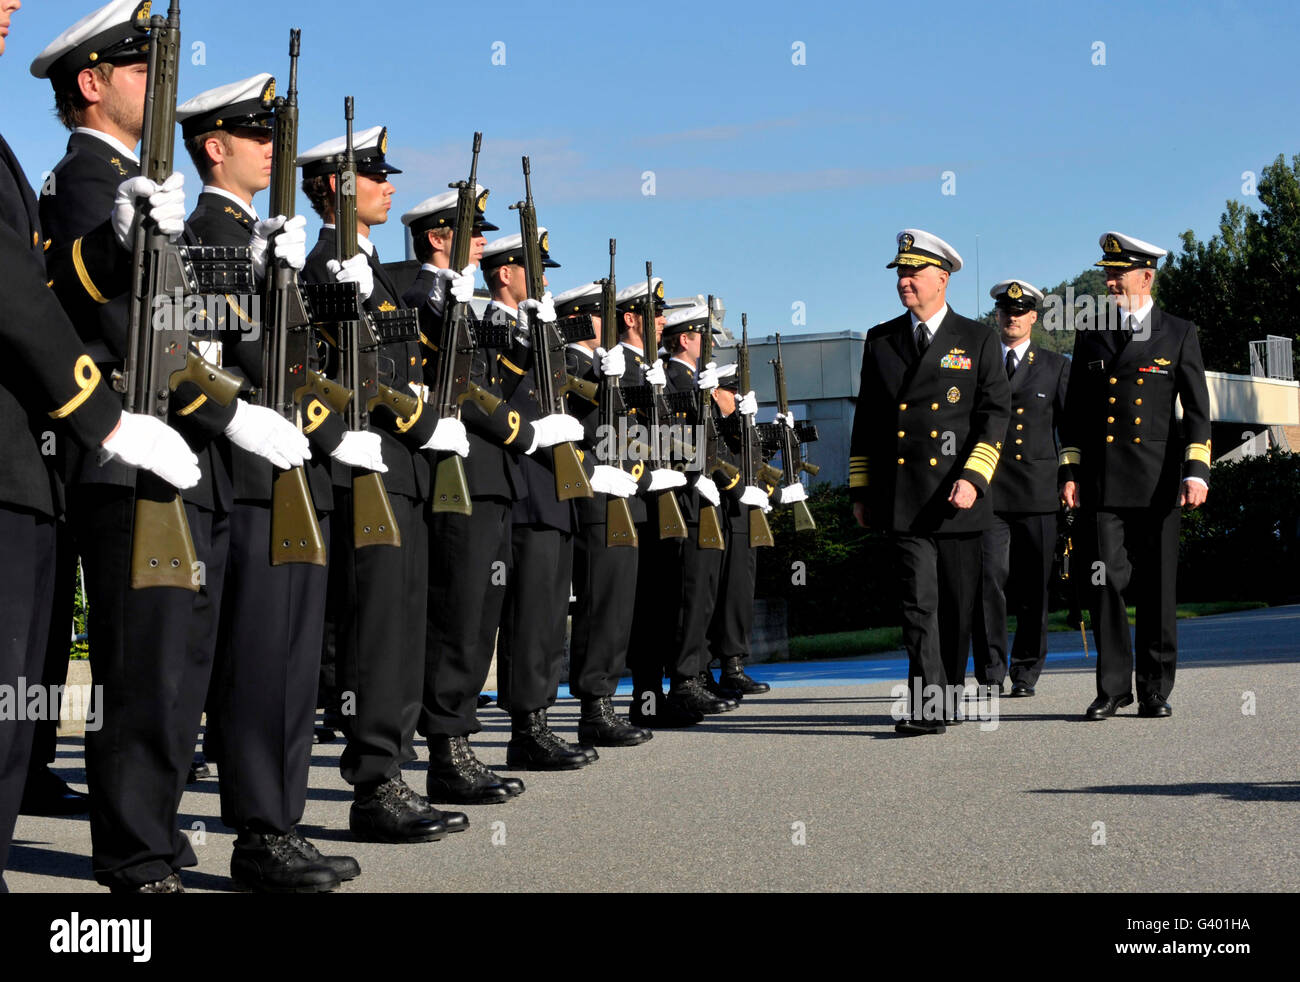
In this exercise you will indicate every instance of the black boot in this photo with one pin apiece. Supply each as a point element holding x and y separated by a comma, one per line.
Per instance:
<point>651,709</point>
<point>563,744</point>
<point>600,726</point>
<point>274,864</point>
<point>734,677</point>
<point>534,747</point>
<point>711,686</point>
<point>691,694</point>
<point>393,812</point>
<point>344,867</point>
<point>456,776</point>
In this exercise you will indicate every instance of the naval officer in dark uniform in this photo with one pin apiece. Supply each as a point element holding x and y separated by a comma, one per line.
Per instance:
<point>1019,543</point>
<point>1130,465</point>
<point>931,416</point>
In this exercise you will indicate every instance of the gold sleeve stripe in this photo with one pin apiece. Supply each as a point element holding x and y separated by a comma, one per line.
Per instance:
<point>857,480</point>
<point>405,424</point>
<point>1198,451</point>
<point>316,412</point>
<point>327,336</point>
<point>734,481</point>
<point>193,406</point>
<point>980,468</point>
<point>510,365</point>
<point>86,372</point>
<point>84,275</point>
<point>1070,457</point>
<point>426,342</point>
<point>239,311</point>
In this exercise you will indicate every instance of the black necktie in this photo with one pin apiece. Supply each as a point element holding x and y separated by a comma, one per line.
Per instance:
<point>1011,363</point>
<point>922,338</point>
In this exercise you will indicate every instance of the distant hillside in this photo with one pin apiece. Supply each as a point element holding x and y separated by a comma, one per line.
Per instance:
<point>1091,282</point>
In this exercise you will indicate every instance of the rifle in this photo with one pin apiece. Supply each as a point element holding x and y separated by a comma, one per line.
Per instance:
<point>548,352</point>
<point>710,534</point>
<point>803,520</point>
<point>456,352</point>
<point>620,530</point>
<point>760,533</point>
<point>287,345</point>
<point>373,522</point>
<point>671,523</point>
<point>159,357</point>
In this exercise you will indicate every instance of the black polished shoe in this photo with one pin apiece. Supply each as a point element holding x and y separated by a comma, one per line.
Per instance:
<point>344,867</point>
<point>199,770</point>
<point>47,794</point>
<point>600,726</point>
<point>735,679</point>
<point>324,734</point>
<point>484,700</point>
<point>1106,706</point>
<point>691,694</point>
<point>1153,707</point>
<point>393,812</point>
<point>457,777</point>
<point>653,710</point>
<point>711,686</point>
<point>1021,690</point>
<point>565,745</point>
<point>275,864</point>
<point>531,746</point>
<point>168,884</point>
<point>919,727</point>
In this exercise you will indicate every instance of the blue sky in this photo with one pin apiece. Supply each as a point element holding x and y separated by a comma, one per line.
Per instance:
<point>775,183</point>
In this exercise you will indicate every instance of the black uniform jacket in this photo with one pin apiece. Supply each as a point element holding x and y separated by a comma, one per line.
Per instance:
<point>1122,440</point>
<point>1026,476</point>
<point>923,423</point>
<point>49,385</point>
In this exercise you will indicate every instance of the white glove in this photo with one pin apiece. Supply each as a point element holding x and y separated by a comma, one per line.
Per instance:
<point>612,480</point>
<point>793,493</point>
<point>555,429</point>
<point>355,270</point>
<point>748,405</point>
<point>264,432</point>
<point>450,435</point>
<point>713,375</point>
<point>543,309</point>
<point>164,203</point>
<point>663,479</point>
<point>786,418</point>
<point>611,362</point>
<point>460,284</point>
<point>708,490</point>
<point>755,497</point>
<point>150,444</point>
<point>655,374</point>
<point>290,244</point>
<point>361,449</point>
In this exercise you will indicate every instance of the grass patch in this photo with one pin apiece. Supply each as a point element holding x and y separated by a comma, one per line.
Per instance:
<point>873,640</point>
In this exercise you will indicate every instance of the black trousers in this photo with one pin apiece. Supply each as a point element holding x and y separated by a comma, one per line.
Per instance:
<point>1017,565</point>
<point>530,645</point>
<point>468,574</point>
<point>263,692</point>
<point>939,576</point>
<point>58,643</point>
<point>677,588</point>
<point>154,675</point>
<point>1138,549</point>
<point>26,585</point>
<point>604,581</point>
<point>733,615</point>
<point>379,620</point>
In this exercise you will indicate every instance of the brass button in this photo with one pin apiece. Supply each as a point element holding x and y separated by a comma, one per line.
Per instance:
<point>934,406</point>
<point>934,462</point>
<point>1138,421</point>
<point>1017,456</point>
<point>1109,439</point>
<point>1020,443</point>
<point>901,434</point>
<point>1110,419</point>
<point>1020,411</point>
<point>1113,380</point>
<point>1020,426</point>
<point>1112,399</point>
<point>900,460</point>
<point>934,434</point>
<point>1137,402</point>
<point>1140,381</point>
<point>1137,439</point>
<point>902,407</point>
